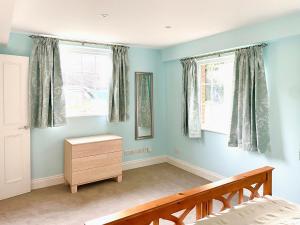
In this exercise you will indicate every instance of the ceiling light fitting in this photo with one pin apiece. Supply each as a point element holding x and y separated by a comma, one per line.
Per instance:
<point>104,15</point>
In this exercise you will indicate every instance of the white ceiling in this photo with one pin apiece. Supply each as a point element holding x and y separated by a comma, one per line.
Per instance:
<point>6,14</point>
<point>142,22</point>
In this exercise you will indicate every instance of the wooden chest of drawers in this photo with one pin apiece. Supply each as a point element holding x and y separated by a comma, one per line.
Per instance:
<point>94,158</point>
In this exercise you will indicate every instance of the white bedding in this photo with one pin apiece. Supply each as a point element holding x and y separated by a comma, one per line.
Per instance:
<point>260,211</point>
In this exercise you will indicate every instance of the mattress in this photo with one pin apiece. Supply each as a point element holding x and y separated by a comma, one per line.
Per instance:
<point>260,211</point>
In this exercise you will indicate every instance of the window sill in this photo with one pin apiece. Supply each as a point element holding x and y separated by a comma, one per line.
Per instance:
<point>214,131</point>
<point>85,116</point>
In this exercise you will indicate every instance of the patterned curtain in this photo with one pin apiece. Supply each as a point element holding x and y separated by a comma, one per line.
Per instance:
<point>191,99</point>
<point>249,123</point>
<point>118,99</point>
<point>144,100</point>
<point>47,102</point>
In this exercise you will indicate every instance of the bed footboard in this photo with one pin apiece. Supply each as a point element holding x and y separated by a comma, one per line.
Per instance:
<point>200,198</point>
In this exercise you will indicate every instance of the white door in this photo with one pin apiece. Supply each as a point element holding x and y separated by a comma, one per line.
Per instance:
<point>15,174</point>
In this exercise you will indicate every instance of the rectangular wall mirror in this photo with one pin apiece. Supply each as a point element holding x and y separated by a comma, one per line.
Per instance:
<point>143,105</point>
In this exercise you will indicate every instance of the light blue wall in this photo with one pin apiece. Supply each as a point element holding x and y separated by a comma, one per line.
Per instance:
<point>282,59</point>
<point>47,144</point>
<point>18,45</point>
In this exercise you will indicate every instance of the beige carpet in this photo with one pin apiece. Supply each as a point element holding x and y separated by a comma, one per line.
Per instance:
<point>57,206</point>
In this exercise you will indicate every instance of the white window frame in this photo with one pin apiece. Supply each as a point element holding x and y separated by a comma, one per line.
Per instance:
<point>229,57</point>
<point>86,50</point>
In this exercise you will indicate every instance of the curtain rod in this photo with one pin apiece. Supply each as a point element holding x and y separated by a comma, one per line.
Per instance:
<point>223,52</point>
<point>77,41</point>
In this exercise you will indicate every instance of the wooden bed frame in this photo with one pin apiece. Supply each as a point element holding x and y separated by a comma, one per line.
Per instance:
<point>200,198</point>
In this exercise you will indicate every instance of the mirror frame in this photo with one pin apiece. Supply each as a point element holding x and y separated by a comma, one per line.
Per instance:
<point>136,108</point>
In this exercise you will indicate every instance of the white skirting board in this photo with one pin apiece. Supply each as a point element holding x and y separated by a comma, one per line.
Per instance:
<point>144,162</point>
<point>47,181</point>
<point>204,173</point>
<point>207,174</point>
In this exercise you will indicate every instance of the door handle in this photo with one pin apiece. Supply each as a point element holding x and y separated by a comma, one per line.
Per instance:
<point>24,127</point>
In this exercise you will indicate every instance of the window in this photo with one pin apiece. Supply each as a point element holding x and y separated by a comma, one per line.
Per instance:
<point>216,93</point>
<point>86,74</point>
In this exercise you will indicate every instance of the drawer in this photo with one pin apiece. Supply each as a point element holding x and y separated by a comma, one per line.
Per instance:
<point>94,174</point>
<point>93,161</point>
<point>96,148</point>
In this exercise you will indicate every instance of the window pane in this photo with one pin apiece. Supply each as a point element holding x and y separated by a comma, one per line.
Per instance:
<point>86,74</point>
<point>216,91</point>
